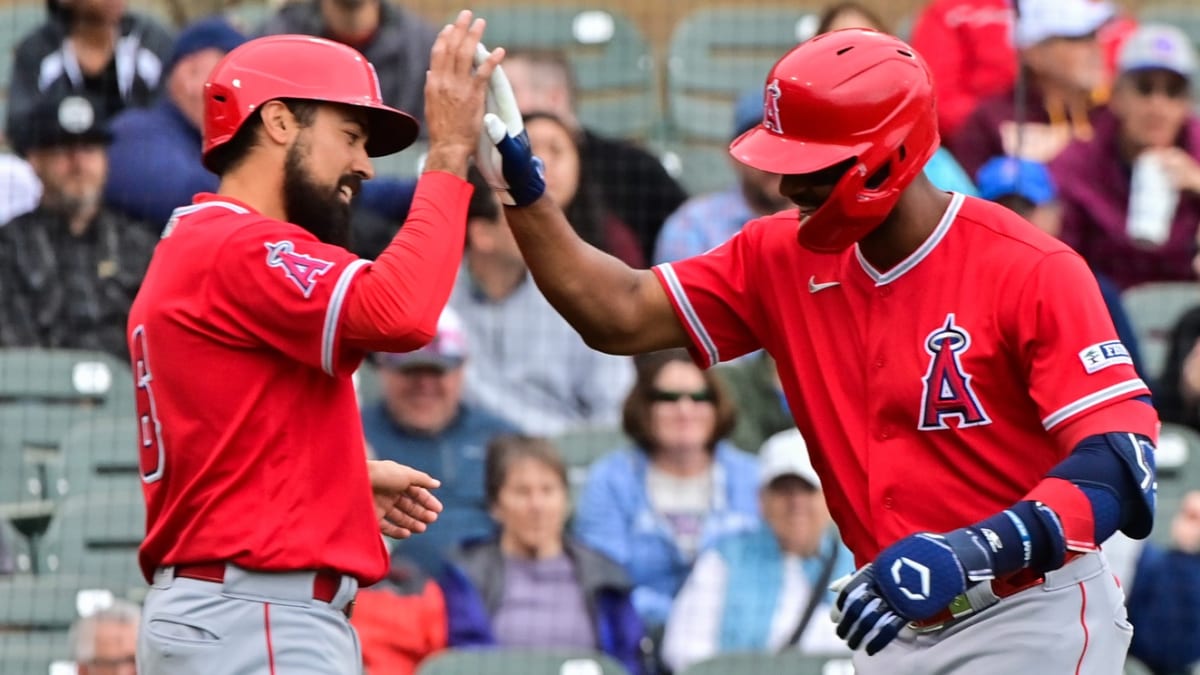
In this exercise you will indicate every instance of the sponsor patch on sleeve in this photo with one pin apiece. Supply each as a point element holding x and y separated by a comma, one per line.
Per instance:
<point>1105,354</point>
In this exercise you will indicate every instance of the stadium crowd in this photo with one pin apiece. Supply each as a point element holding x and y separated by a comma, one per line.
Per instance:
<point>700,529</point>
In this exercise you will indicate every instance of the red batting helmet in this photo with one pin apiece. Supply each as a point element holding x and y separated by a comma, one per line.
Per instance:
<point>299,67</point>
<point>850,94</point>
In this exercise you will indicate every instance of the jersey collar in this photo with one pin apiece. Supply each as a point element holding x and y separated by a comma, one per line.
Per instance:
<point>923,251</point>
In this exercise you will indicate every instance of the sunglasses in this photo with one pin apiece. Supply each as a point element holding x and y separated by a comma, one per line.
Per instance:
<point>1175,87</point>
<point>664,396</point>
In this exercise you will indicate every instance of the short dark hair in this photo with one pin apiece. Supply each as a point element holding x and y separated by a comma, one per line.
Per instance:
<point>484,204</point>
<point>229,156</point>
<point>507,449</point>
<point>636,414</point>
<point>832,12</point>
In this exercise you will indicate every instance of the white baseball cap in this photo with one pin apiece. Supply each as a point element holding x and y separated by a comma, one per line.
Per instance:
<point>1158,46</point>
<point>1040,20</point>
<point>786,454</point>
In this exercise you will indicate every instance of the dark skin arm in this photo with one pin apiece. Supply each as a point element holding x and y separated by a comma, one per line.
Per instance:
<point>615,308</point>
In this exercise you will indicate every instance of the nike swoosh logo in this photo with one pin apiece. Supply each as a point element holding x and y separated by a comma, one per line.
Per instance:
<point>814,287</point>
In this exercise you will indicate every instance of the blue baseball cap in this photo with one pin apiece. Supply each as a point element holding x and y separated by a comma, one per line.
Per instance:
<point>747,112</point>
<point>1005,176</point>
<point>213,32</point>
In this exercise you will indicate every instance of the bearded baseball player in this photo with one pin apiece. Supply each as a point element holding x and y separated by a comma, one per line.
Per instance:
<point>978,426</point>
<point>263,513</point>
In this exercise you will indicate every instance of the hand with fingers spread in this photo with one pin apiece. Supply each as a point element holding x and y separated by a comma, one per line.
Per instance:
<point>404,504</point>
<point>455,89</point>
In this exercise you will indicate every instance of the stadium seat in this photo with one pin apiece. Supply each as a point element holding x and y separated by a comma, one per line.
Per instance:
<point>98,534</point>
<point>48,601</point>
<point>581,447</point>
<point>19,20</point>
<point>100,456</point>
<point>611,60</point>
<point>700,167</point>
<point>367,385</point>
<point>404,164</point>
<point>717,54</point>
<point>34,652</point>
<point>501,661</point>
<point>1154,309</point>
<point>66,376</point>
<point>792,663</point>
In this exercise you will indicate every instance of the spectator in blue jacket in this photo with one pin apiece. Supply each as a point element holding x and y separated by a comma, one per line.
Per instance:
<point>653,507</point>
<point>422,421</point>
<point>155,153</point>
<point>534,586</point>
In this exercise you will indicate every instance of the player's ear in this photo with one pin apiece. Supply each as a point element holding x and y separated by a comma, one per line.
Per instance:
<point>279,124</point>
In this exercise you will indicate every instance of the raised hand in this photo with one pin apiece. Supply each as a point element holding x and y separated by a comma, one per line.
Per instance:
<point>504,156</point>
<point>455,92</point>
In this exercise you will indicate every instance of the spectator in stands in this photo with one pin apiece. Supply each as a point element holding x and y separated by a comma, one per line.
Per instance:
<point>534,585</point>
<point>90,47</point>
<point>395,40</point>
<point>1162,587</point>
<point>753,382</point>
<point>1024,187</point>
<point>652,507</point>
<point>401,620</point>
<point>20,188</point>
<point>1027,188</point>
<point>422,420</point>
<point>1150,112</point>
<point>527,364</point>
<point>155,154</point>
<point>1063,66</point>
<point>105,643</point>
<point>968,46</point>
<point>637,187</point>
<point>752,590</point>
<point>1177,394</point>
<point>709,220</point>
<point>585,206</point>
<point>70,268</point>
<point>841,15</point>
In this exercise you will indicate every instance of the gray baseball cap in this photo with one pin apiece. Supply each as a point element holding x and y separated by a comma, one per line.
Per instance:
<point>1158,46</point>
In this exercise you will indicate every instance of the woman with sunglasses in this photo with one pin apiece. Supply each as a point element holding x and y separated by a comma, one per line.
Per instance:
<point>652,507</point>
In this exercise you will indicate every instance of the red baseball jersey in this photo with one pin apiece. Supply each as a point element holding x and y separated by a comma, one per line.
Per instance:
<point>933,394</point>
<point>252,447</point>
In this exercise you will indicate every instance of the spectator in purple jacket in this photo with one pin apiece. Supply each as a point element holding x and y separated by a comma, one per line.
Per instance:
<point>1150,112</point>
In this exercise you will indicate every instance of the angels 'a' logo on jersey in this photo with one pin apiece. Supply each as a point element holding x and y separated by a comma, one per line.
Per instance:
<point>947,392</point>
<point>302,269</point>
<point>771,107</point>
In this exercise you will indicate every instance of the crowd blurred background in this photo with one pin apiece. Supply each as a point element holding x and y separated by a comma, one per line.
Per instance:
<point>627,516</point>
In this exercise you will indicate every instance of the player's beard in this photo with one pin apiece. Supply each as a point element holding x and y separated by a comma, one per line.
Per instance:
<point>315,207</point>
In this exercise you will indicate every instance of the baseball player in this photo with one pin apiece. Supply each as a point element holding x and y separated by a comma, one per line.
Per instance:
<point>978,426</point>
<point>251,320</point>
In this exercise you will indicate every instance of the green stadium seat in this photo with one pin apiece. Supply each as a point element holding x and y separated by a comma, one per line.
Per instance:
<point>48,601</point>
<point>98,534</point>
<point>792,663</point>
<point>100,456</point>
<point>66,376</point>
<point>1154,309</point>
<point>16,21</point>
<point>35,652</point>
<point>700,167</point>
<point>581,447</point>
<point>610,58</point>
<point>502,661</point>
<point>367,385</point>
<point>404,164</point>
<point>717,54</point>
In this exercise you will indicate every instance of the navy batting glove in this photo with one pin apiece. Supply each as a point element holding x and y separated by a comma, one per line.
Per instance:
<point>862,615</point>
<point>919,575</point>
<point>523,171</point>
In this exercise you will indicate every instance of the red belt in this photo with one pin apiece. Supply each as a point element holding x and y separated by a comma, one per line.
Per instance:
<point>1002,588</point>
<point>325,584</point>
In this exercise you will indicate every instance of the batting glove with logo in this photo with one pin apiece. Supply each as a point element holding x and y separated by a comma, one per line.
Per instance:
<point>911,580</point>
<point>504,155</point>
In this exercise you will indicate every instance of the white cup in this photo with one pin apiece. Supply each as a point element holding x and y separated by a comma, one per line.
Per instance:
<point>1153,199</point>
